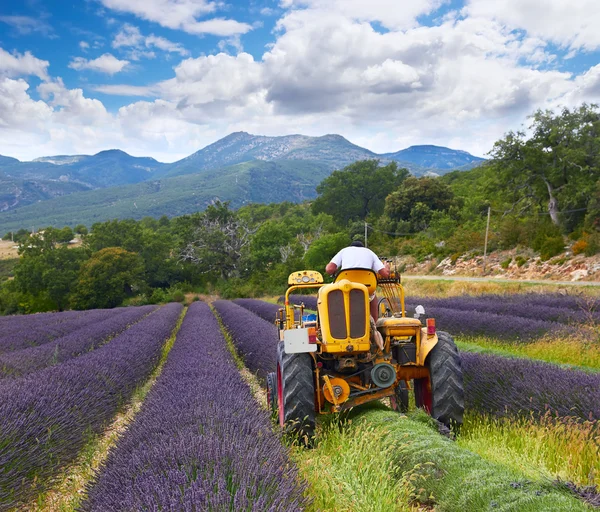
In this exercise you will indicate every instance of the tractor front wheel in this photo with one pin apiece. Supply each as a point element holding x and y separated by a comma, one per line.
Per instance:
<point>272,392</point>
<point>296,394</point>
<point>399,400</point>
<point>442,394</point>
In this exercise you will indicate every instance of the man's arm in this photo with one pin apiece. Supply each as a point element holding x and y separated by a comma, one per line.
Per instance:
<point>385,271</point>
<point>331,268</point>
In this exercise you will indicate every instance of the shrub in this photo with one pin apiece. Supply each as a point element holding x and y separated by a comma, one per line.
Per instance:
<point>580,246</point>
<point>506,263</point>
<point>520,261</point>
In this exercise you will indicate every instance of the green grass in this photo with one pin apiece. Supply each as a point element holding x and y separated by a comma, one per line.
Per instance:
<point>456,479</point>
<point>568,353</point>
<point>564,448</point>
<point>349,470</point>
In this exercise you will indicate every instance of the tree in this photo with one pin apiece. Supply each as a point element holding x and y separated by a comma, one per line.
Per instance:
<point>49,270</point>
<point>218,242</point>
<point>81,229</point>
<point>107,278</point>
<point>148,238</point>
<point>325,248</point>
<point>556,168</point>
<point>358,190</point>
<point>416,201</point>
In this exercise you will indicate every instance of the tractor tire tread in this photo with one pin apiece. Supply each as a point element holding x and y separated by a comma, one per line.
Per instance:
<point>446,382</point>
<point>298,394</point>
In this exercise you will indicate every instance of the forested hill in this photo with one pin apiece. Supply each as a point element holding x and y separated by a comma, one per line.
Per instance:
<point>84,189</point>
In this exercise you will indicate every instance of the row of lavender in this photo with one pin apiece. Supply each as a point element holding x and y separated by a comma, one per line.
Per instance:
<point>524,318</point>
<point>25,331</point>
<point>46,417</point>
<point>493,384</point>
<point>79,341</point>
<point>199,442</point>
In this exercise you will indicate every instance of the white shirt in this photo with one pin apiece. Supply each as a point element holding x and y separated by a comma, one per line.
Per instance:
<point>357,257</point>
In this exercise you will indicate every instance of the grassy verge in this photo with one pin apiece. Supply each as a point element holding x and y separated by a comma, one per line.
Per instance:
<point>69,491</point>
<point>562,448</point>
<point>446,288</point>
<point>564,352</point>
<point>456,479</point>
<point>351,469</point>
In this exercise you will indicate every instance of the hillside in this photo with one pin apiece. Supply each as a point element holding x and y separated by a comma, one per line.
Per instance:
<point>436,158</point>
<point>23,183</point>
<point>50,178</point>
<point>262,182</point>
<point>332,150</point>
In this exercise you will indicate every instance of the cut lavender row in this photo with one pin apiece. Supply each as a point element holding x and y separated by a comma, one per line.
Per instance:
<point>498,304</point>
<point>265,310</point>
<point>510,386</point>
<point>24,331</point>
<point>477,323</point>
<point>309,301</point>
<point>255,339</point>
<point>69,346</point>
<point>46,417</point>
<point>200,441</point>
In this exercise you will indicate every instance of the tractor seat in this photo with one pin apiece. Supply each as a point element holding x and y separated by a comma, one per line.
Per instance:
<point>359,275</point>
<point>389,321</point>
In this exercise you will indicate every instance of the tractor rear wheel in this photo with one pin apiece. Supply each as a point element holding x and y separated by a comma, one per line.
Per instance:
<point>442,394</point>
<point>272,392</point>
<point>399,400</point>
<point>296,394</point>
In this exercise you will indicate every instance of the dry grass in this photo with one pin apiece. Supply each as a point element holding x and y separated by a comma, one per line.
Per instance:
<point>8,250</point>
<point>447,288</point>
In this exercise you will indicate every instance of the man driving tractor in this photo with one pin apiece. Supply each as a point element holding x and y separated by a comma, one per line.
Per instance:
<point>358,256</point>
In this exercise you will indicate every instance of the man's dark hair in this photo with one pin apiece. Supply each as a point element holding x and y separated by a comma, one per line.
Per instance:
<point>357,243</point>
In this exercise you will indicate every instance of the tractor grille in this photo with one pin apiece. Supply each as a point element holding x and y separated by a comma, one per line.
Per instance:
<point>337,314</point>
<point>358,315</point>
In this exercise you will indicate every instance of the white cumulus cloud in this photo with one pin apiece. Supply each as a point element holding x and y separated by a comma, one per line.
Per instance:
<point>106,63</point>
<point>180,15</point>
<point>17,64</point>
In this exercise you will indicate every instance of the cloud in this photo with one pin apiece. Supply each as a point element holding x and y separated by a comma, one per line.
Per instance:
<point>84,45</point>
<point>17,64</point>
<point>568,24</point>
<point>126,90</point>
<point>106,63</point>
<point>26,25</point>
<point>165,45</point>
<point>130,37</point>
<point>180,15</point>
<point>330,69</point>
<point>387,12</point>
<point>17,110</point>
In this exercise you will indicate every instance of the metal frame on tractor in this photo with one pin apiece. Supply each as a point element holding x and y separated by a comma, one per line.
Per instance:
<point>341,358</point>
<point>396,329</point>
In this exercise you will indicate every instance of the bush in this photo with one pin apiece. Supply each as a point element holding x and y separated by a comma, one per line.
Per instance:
<point>551,247</point>
<point>593,245</point>
<point>580,246</point>
<point>520,261</point>
<point>506,263</point>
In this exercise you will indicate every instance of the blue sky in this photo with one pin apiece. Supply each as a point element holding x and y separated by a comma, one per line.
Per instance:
<point>164,78</point>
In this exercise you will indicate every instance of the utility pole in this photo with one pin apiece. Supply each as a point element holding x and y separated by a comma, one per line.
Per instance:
<point>487,231</point>
<point>366,234</point>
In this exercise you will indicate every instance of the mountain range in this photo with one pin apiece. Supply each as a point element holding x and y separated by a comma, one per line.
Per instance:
<point>240,168</point>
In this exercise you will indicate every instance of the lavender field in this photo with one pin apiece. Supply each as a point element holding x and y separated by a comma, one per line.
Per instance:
<point>200,440</point>
<point>207,450</point>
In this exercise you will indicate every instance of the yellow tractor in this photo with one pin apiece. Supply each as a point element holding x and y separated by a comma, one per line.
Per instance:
<point>340,358</point>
